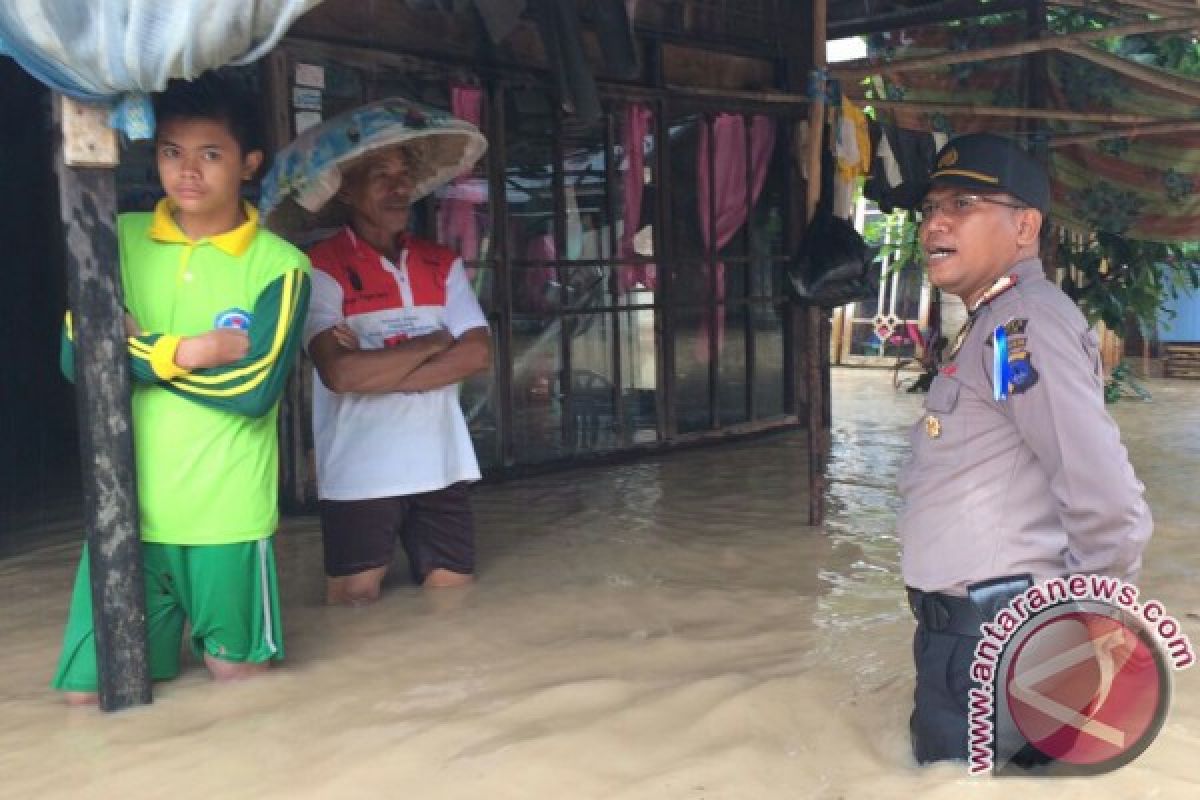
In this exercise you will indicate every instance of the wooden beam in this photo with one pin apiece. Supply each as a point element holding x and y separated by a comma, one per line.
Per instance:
<point>751,95</point>
<point>1162,7</point>
<point>88,201</point>
<point>1116,11</point>
<point>931,14</point>
<point>1155,129</point>
<point>854,70</point>
<point>778,98</point>
<point>1059,115</point>
<point>295,411</point>
<point>1160,79</point>
<point>960,10</point>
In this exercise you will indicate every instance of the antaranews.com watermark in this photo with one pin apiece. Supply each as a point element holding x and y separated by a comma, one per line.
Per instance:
<point>1074,672</point>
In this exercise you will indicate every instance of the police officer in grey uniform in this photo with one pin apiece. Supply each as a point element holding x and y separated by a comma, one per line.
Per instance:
<point>1015,480</point>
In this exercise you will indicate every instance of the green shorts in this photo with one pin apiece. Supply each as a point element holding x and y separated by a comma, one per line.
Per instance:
<point>229,593</point>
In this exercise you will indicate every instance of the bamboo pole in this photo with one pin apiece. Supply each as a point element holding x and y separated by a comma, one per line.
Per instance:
<point>1118,11</point>
<point>1160,79</point>
<point>1136,130</point>
<point>1059,115</point>
<point>813,314</point>
<point>854,70</point>
<point>1164,7</point>
<point>796,99</point>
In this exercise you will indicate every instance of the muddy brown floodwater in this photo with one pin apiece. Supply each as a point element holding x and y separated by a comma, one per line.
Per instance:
<point>664,629</point>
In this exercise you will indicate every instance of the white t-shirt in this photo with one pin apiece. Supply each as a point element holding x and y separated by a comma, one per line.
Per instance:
<point>403,443</point>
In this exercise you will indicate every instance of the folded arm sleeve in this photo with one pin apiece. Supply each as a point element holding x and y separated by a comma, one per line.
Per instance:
<point>325,306</point>
<point>252,385</point>
<point>151,355</point>
<point>462,308</point>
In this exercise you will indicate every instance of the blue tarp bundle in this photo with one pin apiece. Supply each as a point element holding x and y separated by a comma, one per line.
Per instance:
<point>113,51</point>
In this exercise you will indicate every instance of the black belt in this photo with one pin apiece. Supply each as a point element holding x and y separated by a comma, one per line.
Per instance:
<point>948,613</point>
<point>945,613</point>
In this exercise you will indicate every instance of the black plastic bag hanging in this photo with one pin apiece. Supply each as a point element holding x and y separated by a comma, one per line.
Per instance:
<point>833,264</point>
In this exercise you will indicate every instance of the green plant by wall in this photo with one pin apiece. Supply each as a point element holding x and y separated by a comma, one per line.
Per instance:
<point>1112,278</point>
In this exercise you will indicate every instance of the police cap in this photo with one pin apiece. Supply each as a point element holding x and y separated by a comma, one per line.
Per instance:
<point>989,163</point>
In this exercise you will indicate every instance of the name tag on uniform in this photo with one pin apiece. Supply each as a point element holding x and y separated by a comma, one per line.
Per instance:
<point>408,322</point>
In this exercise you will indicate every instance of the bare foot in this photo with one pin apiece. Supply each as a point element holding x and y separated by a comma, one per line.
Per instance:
<point>445,579</point>
<point>360,589</point>
<point>224,671</point>
<point>81,698</point>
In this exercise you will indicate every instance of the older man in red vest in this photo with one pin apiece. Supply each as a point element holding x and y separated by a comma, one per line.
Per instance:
<point>393,328</point>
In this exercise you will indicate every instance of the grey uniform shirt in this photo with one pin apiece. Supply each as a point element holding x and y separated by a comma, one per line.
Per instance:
<point>1038,482</point>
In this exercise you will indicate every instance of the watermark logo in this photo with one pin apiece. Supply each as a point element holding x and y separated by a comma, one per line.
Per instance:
<point>1073,676</point>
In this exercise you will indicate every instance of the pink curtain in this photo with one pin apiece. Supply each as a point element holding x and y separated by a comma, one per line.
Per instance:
<point>457,213</point>
<point>726,187</point>
<point>634,127</point>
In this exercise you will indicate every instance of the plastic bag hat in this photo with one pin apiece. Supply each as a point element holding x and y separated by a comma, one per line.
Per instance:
<point>297,194</point>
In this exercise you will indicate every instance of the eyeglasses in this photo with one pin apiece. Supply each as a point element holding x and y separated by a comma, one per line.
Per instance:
<point>960,205</point>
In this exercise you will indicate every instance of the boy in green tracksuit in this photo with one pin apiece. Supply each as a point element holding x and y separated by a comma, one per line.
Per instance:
<point>216,307</point>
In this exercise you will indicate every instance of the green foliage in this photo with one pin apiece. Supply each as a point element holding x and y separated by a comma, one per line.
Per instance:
<point>894,237</point>
<point>1112,278</point>
<point>1175,52</point>
<point>1121,383</point>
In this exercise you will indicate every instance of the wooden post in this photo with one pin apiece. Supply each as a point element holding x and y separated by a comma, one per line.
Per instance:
<point>87,196</point>
<point>814,315</point>
<point>295,407</point>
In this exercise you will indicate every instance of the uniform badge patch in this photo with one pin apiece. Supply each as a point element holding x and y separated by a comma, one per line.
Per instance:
<point>236,318</point>
<point>1021,373</point>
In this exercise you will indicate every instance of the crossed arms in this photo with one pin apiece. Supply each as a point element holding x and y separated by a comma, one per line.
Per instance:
<point>415,365</point>
<point>243,372</point>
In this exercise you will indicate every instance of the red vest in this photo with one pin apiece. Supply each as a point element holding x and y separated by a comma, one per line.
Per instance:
<point>367,286</point>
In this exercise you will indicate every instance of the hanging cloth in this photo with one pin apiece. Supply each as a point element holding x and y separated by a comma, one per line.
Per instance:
<point>852,151</point>
<point>112,52</point>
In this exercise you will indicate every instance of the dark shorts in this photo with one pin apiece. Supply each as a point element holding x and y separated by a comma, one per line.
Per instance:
<point>435,528</point>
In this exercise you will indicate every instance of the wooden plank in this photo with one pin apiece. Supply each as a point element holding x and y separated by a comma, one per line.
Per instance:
<point>87,139</point>
<point>392,26</point>
<point>694,67</point>
<point>88,201</point>
<point>1182,360</point>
